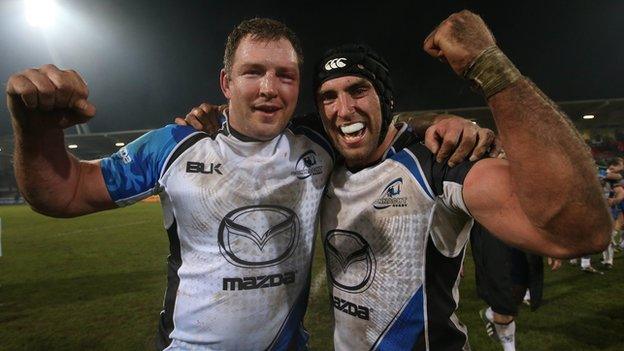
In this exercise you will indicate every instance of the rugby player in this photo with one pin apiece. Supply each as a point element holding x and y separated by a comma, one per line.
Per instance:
<point>395,222</point>
<point>239,209</point>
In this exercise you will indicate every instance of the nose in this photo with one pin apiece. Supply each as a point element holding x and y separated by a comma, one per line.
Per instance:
<point>345,105</point>
<point>268,86</point>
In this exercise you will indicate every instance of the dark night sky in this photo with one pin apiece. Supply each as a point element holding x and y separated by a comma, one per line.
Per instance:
<point>146,61</point>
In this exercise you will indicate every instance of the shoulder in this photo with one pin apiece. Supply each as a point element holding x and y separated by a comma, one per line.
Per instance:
<point>310,126</point>
<point>170,134</point>
<point>152,149</point>
<point>417,158</point>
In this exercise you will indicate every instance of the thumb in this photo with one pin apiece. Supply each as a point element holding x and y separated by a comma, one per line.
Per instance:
<point>84,107</point>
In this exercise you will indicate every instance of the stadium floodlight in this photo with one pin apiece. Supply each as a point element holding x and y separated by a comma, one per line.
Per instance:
<point>41,13</point>
<point>588,117</point>
<point>72,146</point>
<point>120,144</point>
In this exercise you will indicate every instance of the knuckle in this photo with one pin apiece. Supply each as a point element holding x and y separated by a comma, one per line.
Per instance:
<point>47,91</point>
<point>448,142</point>
<point>49,67</point>
<point>15,78</point>
<point>30,72</point>
<point>430,131</point>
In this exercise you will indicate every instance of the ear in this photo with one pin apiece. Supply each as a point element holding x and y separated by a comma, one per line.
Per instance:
<point>224,81</point>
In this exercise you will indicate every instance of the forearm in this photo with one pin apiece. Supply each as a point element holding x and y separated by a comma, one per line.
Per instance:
<point>46,173</point>
<point>551,168</point>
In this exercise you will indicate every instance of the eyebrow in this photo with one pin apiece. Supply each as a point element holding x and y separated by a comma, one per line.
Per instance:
<point>360,82</point>
<point>281,68</point>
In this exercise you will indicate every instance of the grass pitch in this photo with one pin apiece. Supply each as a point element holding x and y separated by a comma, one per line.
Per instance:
<point>97,282</point>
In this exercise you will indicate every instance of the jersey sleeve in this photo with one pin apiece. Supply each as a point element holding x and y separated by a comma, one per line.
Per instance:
<point>451,221</point>
<point>445,182</point>
<point>132,173</point>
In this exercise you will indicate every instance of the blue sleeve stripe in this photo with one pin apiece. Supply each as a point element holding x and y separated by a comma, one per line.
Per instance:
<point>134,171</point>
<point>317,138</point>
<point>407,159</point>
<point>406,328</point>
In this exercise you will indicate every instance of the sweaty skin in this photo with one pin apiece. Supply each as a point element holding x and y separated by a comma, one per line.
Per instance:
<point>42,102</point>
<point>541,144</point>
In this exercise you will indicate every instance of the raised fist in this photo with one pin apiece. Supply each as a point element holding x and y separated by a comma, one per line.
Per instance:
<point>459,39</point>
<point>48,97</point>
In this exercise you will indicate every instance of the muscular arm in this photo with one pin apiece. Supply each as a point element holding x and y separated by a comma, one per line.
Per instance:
<point>546,198</point>
<point>551,170</point>
<point>55,183</point>
<point>549,190</point>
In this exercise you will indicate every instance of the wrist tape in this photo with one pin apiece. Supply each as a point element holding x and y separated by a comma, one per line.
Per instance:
<point>491,72</point>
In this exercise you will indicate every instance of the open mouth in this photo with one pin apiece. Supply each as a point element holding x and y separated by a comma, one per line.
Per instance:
<point>353,132</point>
<point>268,109</point>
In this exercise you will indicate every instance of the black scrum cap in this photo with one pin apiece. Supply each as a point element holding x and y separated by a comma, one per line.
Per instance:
<point>358,60</point>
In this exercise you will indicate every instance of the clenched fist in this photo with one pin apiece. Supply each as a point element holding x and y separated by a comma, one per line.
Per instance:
<point>48,97</point>
<point>459,39</point>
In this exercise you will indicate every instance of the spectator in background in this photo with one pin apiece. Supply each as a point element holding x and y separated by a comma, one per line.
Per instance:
<point>612,185</point>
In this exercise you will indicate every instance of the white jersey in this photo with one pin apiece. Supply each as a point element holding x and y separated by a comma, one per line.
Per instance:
<point>394,236</point>
<point>241,218</point>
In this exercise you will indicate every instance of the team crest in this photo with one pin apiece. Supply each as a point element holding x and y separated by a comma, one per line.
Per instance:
<point>390,196</point>
<point>307,165</point>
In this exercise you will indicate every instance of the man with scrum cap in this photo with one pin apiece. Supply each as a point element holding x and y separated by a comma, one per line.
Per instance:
<point>395,222</point>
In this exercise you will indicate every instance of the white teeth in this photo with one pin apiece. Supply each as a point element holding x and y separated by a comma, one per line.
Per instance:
<point>352,128</point>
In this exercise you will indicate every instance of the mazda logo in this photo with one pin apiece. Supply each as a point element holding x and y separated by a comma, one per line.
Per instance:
<point>258,236</point>
<point>350,260</point>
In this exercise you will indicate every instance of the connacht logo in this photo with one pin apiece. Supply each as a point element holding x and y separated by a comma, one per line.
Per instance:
<point>390,196</point>
<point>307,165</point>
<point>335,63</point>
<point>258,236</point>
<point>350,260</point>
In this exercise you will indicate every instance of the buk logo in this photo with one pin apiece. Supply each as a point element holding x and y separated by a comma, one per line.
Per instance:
<point>258,236</point>
<point>390,196</point>
<point>307,165</point>
<point>350,260</point>
<point>335,63</point>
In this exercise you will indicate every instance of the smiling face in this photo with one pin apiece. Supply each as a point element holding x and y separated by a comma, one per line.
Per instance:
<point>262,88</point>
<point>351,113</point>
